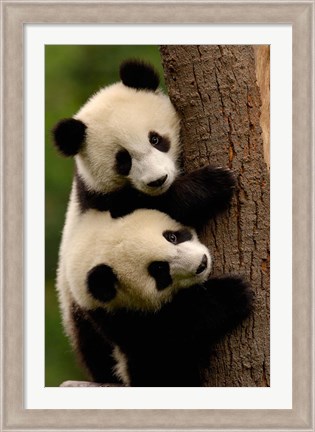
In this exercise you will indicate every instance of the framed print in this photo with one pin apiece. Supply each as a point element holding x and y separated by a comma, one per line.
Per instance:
<point>32,32</point>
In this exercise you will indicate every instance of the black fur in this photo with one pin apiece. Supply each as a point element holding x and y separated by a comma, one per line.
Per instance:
<point>101,282</point>
<point>177,237</point>
<point>69,135</point>
<point>89,199</point>
<point>168,347</point>
<point>160,271</point>
<point>139,75</point>
<point>92,347</point>
<point>192,198</point>
<point>123,162</point>
<point>161,143</point>
<point>198,196</point>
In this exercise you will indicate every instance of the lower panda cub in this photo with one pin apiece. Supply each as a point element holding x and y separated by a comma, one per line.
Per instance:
<point>137,302</point>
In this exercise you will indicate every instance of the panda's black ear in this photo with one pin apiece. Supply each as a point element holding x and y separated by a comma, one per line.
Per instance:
<point>139,75</point>
<point>69,134</point>
<point>101,283</point>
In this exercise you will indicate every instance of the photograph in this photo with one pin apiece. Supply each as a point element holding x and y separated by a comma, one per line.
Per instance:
<point>163,273</point>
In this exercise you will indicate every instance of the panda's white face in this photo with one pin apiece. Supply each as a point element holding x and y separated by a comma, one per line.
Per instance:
<point>131,136</point>
<point>153,265</point>
<point>136,262</point>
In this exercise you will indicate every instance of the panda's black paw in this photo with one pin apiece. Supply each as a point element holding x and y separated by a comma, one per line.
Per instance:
<point>215,186</point>
<point>242,297</point>
<point>218,178</point>
<point>198,196</point>
<point>233,293</point>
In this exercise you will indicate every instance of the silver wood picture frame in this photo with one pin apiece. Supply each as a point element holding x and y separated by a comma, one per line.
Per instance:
<point>14,16</point>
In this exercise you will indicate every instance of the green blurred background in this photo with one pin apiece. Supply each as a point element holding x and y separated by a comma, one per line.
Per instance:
<point>72,74</point>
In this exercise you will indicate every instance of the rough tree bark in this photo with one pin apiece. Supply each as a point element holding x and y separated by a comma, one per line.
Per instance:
<point>215,90</point>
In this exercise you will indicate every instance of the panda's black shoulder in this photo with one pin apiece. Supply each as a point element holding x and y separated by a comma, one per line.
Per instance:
<point>139,75</point>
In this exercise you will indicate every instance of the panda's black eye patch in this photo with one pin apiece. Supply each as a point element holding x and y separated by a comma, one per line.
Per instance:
<point>177,237</point>
<point>161,143</point>
<point>160,271</point>
<point>123,162</point>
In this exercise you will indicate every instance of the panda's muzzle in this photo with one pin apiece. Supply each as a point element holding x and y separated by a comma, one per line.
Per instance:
<point>203,265</point>
<point>159,182</point>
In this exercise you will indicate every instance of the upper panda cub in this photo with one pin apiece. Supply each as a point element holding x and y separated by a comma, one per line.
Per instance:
<point>126,145</point>
<point>137,302</point>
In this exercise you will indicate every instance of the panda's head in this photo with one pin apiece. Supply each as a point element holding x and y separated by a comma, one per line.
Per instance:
<point>127,132</point>
<point>139,263</point>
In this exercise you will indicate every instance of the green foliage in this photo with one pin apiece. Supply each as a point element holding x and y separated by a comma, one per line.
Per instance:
<point>72,74</point>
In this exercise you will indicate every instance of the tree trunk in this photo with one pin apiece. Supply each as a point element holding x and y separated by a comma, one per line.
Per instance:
<point>215,91</point>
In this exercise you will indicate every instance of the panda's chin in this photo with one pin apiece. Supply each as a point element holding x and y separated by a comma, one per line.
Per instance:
<point>193,280</point>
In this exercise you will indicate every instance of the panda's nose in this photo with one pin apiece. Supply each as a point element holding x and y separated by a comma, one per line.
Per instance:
<point>203,265</point>
<point>159,182</point>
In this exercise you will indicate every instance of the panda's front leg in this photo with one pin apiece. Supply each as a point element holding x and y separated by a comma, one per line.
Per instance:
<point>200,195</point>
<point>228,300</point>
<point>93,350</point>
<point>201,315</point>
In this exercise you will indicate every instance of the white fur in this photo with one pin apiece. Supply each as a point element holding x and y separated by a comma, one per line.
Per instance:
<point>128,245</point>
<point>121,366</point>
<point>119,117</point>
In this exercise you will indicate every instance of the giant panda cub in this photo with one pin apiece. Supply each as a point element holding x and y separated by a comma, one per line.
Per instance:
<point>137,302</point>
<point>126,145</point>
